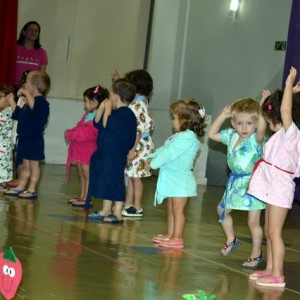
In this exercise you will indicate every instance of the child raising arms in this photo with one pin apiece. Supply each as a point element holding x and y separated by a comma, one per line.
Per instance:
<point>116,125</point>
<point>244,148</point>
<point>83,140</point>
<point>175,159</point>
<point>272,182</point>
<point>32,114</point>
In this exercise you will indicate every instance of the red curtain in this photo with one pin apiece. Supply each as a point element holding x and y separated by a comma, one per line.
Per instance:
<point>8,30</point>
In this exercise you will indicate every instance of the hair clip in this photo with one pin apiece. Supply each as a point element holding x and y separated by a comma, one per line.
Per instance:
<point>96,89</point>
<point>201,112</point>
<point>269,106</point>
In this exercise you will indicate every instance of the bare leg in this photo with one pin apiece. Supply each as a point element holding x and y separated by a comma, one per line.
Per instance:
<point>81,180</point>
<point>85,181</point>
<point>35,175</point>
<point>178,205</point>
<point>277,216</point>
<point>227,226</point>
<point>170,219</point>
<point>137,192</point>
<point>106,208</point>
<point>256,232</point>
<point>24,175</point>
<point>129,193</point>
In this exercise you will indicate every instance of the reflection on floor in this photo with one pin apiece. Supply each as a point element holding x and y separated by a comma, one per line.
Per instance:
<point>64,256</point>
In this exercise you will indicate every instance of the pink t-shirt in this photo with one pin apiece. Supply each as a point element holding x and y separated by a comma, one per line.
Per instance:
<point>272,182</point>
<point>29,59</point>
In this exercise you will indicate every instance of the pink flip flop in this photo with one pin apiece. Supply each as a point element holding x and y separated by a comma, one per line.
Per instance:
<point>258,274</point>
<point>172,244</point>
<point>160,238</point>
<point>271,281</point>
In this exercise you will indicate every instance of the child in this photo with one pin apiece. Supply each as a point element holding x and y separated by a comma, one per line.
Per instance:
<point>117,126</point>
<point>32,113</point>
<point>6,142</point>
<point>272,182</point>
<point>244,148</point>
<point>143,147</point>
<point>83,140</point>
<point>175,159</point>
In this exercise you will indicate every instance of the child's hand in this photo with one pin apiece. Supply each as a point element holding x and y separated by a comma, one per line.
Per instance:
<point>291,77</point>
<point>10,99</point>
<point>296,87</point>
<point>264,95</point>
<point>21,101</point>
<point>147,164</point>
<point>130,155</point>
<point>226,112</point>
<point>22,92</point>
<point>115,74</point>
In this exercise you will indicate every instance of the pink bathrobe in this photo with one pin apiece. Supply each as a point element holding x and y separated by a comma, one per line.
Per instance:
<point>83,143</point>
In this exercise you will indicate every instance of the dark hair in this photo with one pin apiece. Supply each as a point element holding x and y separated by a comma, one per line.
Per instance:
<point>96,92</point>
<point>189,116</point>
<point>6,89</point>
<point>142,81</point>
<point>41,80</point>
<point>271,108</point>
<point>124,89</point>
<point>21,39</point>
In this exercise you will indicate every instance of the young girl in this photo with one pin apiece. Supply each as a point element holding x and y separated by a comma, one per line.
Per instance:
<point>32,114</point>
<point>175,159</point>
<point>244,148</point>
<point>6,140</point>
<point>117,126</point>
<point>143,147</point>
<point>83,140</point>
<point>273,179</point>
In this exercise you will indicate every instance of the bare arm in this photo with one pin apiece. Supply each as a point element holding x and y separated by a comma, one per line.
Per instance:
<point>262,124</point>
<point>11,101</point>
<point>107,111</point>
<point>214,130</point>
<point>100,111</point>
<point>286,105</point>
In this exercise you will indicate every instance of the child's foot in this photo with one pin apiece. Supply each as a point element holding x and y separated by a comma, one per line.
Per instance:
<point>230,247</point>
<point>161,238</point>
<point>73,200</point>
<point>253,263</point>
<point>132,212</point>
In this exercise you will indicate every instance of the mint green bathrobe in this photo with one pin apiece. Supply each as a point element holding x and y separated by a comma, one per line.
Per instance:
<point>175,159</point>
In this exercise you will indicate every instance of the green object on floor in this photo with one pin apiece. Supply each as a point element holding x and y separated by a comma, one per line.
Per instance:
<point>202,296</point>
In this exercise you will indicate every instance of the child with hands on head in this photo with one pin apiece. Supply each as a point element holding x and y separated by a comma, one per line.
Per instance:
<point>272,181</point>
<point>244,147</point>
<point>6,136</point>
<point>175,159</point>
<point>117,126</point>
<point>31,112</point>
<point>83,140</point>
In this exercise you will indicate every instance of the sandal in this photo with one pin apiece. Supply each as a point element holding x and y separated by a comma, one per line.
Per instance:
<point>160,238</point>
<point>172,244</point>
<point>27,195</point>
<point>13,192</point>
<point>80,203</point>
<point>73,200</point>
<point>253,263</point>
<point>234,244</point>
<point>271,281</point>
<point>257,275</point>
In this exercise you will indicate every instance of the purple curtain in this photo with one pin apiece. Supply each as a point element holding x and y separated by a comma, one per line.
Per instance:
<point>8,29</point>
<point>292,56</point>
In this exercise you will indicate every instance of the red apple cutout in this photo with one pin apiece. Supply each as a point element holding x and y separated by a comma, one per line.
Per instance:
<point>10,273</point>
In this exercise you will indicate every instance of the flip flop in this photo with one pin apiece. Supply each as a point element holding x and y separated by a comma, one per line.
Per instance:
<point>172,244</point>
<point>30,195</point>
<point>253,263</point>
<point>258,274</point>
<point>13,192</point>
<point>234,244</point>
<point>73,199</point>
<point>271,281</point>
<point>95,216</point>
<point>160,238</point>
<point>113,219</point>
<point>80,203</point>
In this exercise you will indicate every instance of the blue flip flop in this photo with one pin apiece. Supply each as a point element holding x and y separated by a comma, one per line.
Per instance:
<point>13,192</point>
<point>29,195</point>
<point>95,216</point>
<point>234,244</point>
<point>113,219</point>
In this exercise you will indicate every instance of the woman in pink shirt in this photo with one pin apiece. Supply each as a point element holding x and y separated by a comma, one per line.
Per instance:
<point>83,140</point>
<point>30,54</point>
